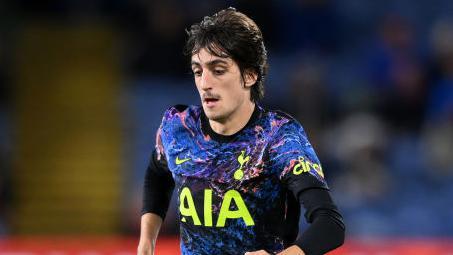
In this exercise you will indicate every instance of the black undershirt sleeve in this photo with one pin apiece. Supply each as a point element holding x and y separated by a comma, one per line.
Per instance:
<point>158,187</point>
<point>326,231</point>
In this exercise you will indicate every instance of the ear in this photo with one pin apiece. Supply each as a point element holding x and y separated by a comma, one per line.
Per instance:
<point>250,78</point>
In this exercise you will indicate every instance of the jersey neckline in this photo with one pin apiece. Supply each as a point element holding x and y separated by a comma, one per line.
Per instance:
<point>206,127</point>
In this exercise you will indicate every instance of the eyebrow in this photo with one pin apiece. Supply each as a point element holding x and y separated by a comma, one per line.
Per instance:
<point>210,63</point>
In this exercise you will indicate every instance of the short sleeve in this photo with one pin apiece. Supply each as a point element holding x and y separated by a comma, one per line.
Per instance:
<point>293,158</point>
<point>159,149</point>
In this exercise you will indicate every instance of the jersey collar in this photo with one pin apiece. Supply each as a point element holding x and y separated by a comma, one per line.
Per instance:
<point>206,127</point>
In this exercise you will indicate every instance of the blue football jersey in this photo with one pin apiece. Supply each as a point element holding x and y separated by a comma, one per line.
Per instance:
<point>233,191</point>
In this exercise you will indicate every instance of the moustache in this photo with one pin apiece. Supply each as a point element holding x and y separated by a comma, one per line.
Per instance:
<point>210,96</point>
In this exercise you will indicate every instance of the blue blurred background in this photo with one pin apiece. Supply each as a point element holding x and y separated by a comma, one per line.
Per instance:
<point>83,85</point>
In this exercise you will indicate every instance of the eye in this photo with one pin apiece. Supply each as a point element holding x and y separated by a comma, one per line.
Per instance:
<point>219,71</point>
<point>197,73</point>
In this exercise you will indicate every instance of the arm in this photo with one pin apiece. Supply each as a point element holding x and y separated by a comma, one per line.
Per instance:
<point>157,190</point>
<point>303,176</point>
<point>149,229</point>
<point>326,231</point>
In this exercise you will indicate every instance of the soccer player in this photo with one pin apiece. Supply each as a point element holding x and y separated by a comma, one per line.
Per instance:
<point>240,171</point>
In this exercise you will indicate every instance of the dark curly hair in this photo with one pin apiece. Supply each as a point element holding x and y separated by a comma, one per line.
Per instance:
<point>230,33</point>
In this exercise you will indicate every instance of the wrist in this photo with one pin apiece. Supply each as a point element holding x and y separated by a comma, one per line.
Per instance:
<point>147,241</point>
<point>292,250</point>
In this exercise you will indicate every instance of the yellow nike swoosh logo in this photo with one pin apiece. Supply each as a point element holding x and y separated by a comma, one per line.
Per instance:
<point>180,161</point>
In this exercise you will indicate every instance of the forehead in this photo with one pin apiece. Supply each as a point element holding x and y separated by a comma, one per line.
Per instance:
<point>204,57</point>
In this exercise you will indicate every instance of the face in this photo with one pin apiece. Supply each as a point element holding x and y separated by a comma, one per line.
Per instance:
<point>222,90</point>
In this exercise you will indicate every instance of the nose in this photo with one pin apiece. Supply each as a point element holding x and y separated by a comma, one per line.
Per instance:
<point>206,81</point>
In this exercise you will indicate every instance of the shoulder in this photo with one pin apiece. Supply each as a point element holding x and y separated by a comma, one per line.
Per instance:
<point>175,109</point>
<point>181,118</point>
<point>181,111</point>
<point>283,123</point>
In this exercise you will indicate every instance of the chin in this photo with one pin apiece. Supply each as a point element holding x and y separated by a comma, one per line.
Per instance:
<point>213,115</point>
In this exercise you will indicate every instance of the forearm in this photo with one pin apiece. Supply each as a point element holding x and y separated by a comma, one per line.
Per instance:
<point>323,235</point>
<point>326,230</point>
<point>149,227</point>
<point>157,190</point>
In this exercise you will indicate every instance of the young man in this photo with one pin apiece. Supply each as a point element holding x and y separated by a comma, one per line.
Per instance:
<point>241,172</point>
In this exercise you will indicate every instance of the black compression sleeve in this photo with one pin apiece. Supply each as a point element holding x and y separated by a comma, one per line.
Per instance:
<point>157,188</point>
<point>326,231</point>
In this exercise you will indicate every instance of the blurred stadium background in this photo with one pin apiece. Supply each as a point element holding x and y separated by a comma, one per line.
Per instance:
<point>83,85</point>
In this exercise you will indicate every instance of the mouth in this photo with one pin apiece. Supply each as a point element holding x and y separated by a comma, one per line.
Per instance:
<point>210,101</point>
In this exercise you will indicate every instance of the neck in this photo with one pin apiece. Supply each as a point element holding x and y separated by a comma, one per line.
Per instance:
<point>235,122</point>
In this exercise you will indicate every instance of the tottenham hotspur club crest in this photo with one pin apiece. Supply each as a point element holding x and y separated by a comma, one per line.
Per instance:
<point>239,173</point>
